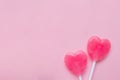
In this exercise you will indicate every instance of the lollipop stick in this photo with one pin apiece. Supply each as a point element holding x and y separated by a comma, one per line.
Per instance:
<point>92,70</point>
<point>80,77</point>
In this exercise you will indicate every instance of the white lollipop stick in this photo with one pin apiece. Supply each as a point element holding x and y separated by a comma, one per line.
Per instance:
<point>92,70</point>
<point>80,77</point>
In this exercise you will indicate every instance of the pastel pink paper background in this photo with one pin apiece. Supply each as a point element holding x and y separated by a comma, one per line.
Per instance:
<point>36,34</point>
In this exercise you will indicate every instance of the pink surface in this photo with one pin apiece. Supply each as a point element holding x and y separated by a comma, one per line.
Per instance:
<point>36,34</point>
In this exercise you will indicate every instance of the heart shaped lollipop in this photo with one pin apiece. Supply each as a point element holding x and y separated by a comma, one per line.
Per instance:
<point>76,63</point>
<point>98,49</point>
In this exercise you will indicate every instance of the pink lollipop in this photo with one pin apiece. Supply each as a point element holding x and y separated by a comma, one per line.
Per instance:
<point>76,63</point>
<point>98,49</point>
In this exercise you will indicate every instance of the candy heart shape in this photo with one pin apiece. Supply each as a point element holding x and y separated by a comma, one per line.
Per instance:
<point>76,62</point>
<point>98,48</point>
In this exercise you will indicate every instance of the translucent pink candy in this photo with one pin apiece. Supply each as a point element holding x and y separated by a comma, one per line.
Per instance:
<point>76,62</point>
<point>98,48</point>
